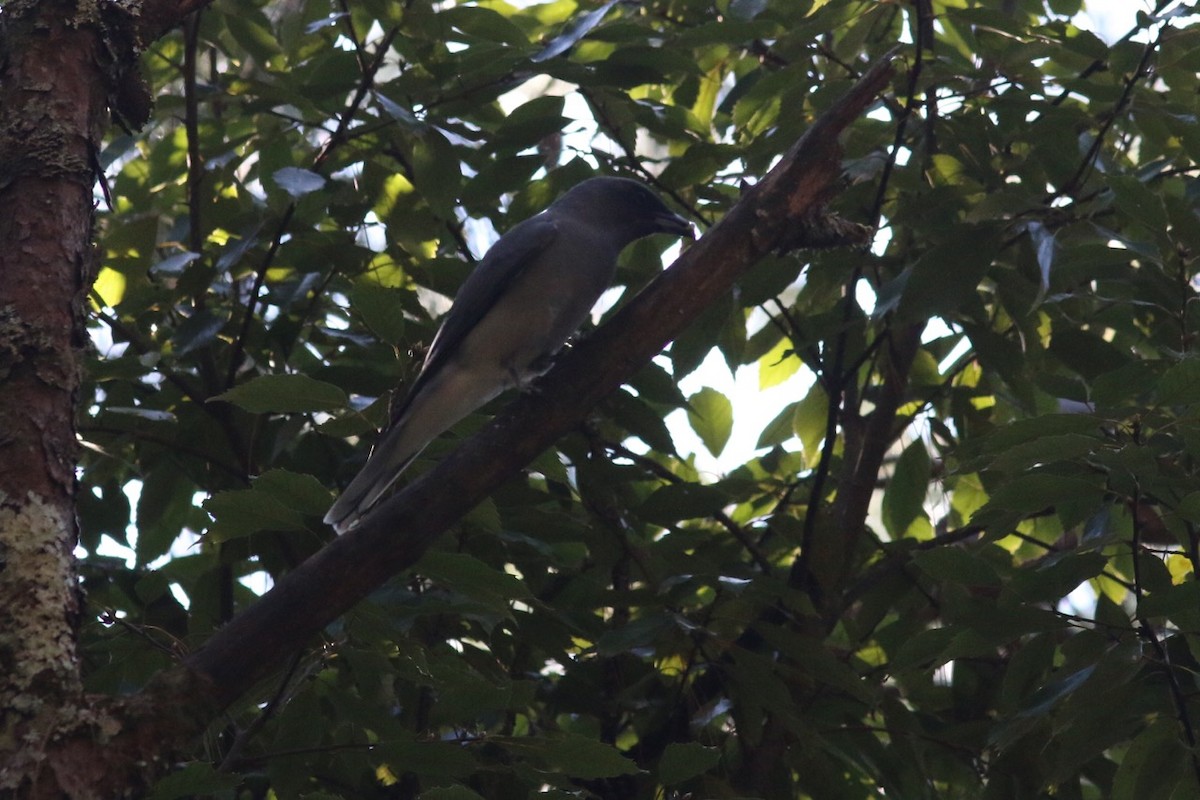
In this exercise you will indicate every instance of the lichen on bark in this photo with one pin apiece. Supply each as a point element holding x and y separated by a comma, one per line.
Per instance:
<point>38,665</point>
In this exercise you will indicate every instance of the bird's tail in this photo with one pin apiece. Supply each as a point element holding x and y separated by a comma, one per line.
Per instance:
<point>440,402</point>
<point>395,451</point>
<point>364,492</point>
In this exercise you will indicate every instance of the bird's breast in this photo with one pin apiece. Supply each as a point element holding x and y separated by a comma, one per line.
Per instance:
<point>542,307</point>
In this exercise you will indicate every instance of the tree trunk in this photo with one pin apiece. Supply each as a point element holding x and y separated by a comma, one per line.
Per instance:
<point>54,108</point>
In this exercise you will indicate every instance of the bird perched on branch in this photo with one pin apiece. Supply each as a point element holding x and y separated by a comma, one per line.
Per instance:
<point>532,290</point>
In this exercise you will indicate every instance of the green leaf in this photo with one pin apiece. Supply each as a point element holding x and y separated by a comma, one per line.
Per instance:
<point>578,28</point>
<point>110,286</point>
<point>904,498</point>
<point>683,761</point>
<point>811,421</point>
<point>1087,352</point>
<point>927,650</point>
<point>199,778</point>
<point>1180,385</point>
<point>1126,383</point>
<point>198,330</point>
<point>298,182</point>
<point>441,759</point>
<point>530,123</point>
<point>174,265</point>
<point>572,754</point>
<point>450,793</point>
<point>1135,199</point>
<point>691,347</point>
<point>162,510</point>
<point>1020,431</point>
<point>1033,493</point>
<point>103,510</point>
<point>1189,507</point>
<point>814,658</point>
<point>778,365</point>
<point>711,416</point>
<point>957,565</point>
<point>646,631</point>
<point>1026,671</point>
<point>778,430</point>
<point>747,9</point>
<point>252,30</point>
<point>758,109</point>
<point>1153,764</point>
<point>304,493</point>
<point>436,171</point>
<point>1183,598</point>
<point>1057,690</point>
<point>469,576</point>
<point>284,394</point>
<point>640,419</point>
<point>1066,8</point>
<point>242,512</point>
<point>656,385</point>
<point>1046,450</point>
<point>381,309</point>
<point>941,280</point>
<point>483,23</point>
<point>679,501</point>
<point>1056,577</point>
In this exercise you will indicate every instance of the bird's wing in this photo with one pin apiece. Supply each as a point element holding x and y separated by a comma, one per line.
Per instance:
<point>498,269</point>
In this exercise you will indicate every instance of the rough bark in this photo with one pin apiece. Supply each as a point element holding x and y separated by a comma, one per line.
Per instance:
<point>63,67</point>
<point>53,105</point>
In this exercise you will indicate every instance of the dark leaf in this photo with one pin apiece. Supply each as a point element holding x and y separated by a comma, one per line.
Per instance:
<point>904,499</point>
<point>284,394</point>
<point>196,778</point>
<point>298,182</point>
<point>198,330</point>
<point>679,501</point>
<point>579,28</point>
<point>572,754</point>
<point>681,762</point>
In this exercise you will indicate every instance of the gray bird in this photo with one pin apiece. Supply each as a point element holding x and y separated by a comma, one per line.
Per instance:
<point>532,290</point>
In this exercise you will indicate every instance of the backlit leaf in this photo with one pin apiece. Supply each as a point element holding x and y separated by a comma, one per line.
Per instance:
<point>285,394</point>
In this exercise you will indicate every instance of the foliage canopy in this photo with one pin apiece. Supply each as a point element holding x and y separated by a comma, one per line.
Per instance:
<point>618,622</point>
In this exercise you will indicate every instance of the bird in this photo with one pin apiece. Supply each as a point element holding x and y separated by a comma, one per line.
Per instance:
<point>528,294</point>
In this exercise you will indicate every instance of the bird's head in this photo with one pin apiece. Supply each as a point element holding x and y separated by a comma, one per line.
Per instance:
<point>625,205</point>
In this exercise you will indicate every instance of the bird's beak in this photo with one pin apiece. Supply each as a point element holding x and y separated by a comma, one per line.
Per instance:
<point>673,223</point>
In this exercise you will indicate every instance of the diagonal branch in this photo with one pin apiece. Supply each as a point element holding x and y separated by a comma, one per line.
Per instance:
<point>183,700</point>
<point>396,534</point>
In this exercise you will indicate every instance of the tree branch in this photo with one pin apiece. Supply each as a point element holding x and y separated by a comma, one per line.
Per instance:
<point>398,532</point>
<point>156,18</point>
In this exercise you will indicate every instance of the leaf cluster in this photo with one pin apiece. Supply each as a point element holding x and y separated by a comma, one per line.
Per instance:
<point>997,418</point>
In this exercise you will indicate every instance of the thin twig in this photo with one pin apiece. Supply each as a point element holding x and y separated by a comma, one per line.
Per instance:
<point>175,648</point>
<point>1146,631</point>
<point>790,329</point>
<point>273,705</point>
<point>1089,160</point>
<point>260,277</point>
<point>170,443</point>
<point>335,139</point>
<point>191,119</point>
